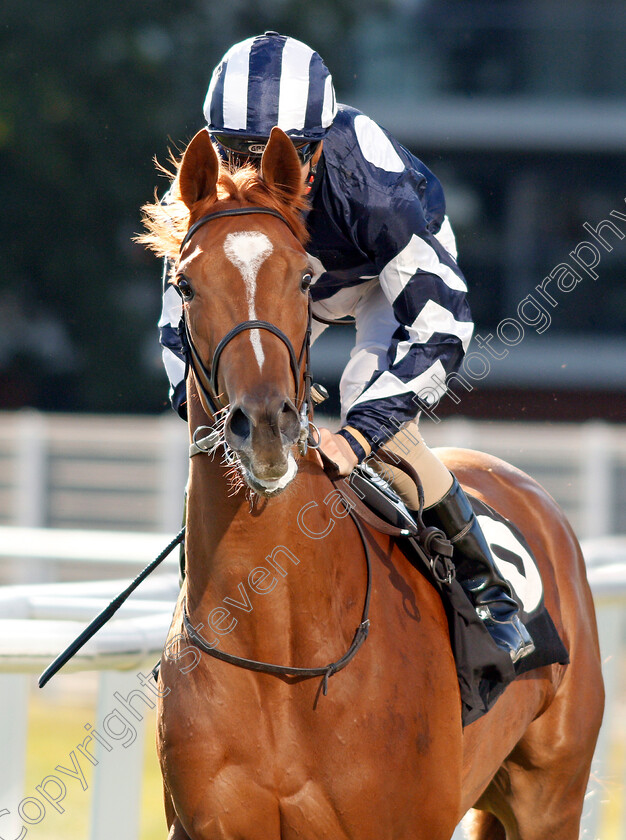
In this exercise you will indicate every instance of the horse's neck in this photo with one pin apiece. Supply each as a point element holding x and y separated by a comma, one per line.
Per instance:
<point>281,567</point>
<point>227,530</point>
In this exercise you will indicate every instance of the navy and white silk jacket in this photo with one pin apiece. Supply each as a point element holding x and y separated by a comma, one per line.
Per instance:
<point>376,211</point>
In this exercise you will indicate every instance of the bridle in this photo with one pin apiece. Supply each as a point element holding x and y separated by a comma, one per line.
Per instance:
<point>207,378</point>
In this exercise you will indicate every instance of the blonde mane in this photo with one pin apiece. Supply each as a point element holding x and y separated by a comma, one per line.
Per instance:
<point>167,221</point>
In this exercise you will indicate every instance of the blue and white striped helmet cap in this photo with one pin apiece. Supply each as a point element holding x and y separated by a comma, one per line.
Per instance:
<point>271,80</point>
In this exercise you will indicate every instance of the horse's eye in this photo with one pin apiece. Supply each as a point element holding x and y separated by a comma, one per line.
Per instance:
<point>306,281</point>
<point>184,287</point>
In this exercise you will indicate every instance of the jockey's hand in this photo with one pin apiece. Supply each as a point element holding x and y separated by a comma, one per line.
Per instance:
<point>338,450</point>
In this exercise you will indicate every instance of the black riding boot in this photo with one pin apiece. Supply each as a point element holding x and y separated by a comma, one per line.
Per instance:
<point>477,572</point>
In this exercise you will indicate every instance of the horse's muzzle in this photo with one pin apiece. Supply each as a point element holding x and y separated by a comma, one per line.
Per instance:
<point>262,431</point>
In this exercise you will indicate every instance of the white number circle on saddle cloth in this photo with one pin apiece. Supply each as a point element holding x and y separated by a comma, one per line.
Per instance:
<point>527,586</point>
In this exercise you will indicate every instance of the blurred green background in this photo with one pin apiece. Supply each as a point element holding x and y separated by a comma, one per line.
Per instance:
<point>517,106</point>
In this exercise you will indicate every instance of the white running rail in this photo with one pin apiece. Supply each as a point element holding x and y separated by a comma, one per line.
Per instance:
<point>127,473</point>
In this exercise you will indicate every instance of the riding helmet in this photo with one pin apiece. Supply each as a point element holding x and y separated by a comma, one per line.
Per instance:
<point>269,80</point>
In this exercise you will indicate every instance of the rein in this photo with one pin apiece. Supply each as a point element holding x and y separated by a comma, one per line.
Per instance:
<point>429,543</point>
<point>326,671</point>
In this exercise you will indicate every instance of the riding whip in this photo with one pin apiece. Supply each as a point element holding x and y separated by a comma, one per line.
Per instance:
<point>101,619</point>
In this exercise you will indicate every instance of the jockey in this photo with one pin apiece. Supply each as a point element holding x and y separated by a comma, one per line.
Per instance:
<point>384,252</point>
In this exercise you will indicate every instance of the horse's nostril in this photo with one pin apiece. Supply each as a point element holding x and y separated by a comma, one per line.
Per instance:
<point>289,420</point>
<point>262,422</point>
<point>239,424</point>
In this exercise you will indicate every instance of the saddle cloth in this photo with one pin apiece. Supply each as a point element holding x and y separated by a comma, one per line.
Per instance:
<point>483,669</point>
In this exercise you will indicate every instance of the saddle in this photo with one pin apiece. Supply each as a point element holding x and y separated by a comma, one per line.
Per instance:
<point>483,670</point>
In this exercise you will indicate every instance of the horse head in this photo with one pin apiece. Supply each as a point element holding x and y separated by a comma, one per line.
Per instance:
<point>243,275</point>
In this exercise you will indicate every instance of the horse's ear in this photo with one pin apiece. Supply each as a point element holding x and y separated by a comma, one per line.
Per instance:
<point>280,165</point>
<point>197,177</point>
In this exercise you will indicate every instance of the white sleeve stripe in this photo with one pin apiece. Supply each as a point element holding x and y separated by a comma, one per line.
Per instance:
<point>446,237</point>
<point>375,146</point>
<point>434,318</point>
<point>172,308</point>
<point>174,367</point>
<point>329,108</point>
<point>294,85</point>
<point>417,255</point>
<point>388,385</point>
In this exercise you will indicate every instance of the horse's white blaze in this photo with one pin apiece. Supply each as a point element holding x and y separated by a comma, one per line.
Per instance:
<point>247,251</point>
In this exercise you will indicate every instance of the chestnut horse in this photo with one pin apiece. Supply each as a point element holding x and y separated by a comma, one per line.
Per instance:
<point>276,573</point>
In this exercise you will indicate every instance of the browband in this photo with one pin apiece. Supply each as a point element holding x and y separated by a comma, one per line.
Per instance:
<point>235,211</point>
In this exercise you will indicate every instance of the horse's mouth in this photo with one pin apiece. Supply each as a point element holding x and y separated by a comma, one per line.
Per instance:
<point>271,487</point>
